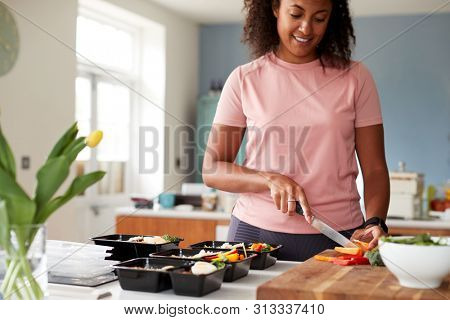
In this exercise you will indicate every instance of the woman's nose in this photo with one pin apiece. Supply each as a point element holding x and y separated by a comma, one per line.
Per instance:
<point>305,28</point>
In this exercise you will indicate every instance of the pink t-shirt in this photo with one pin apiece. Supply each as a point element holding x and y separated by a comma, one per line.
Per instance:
<point>301,123</point>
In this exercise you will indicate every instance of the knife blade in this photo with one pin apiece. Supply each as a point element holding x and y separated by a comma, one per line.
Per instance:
<point>326,229</point>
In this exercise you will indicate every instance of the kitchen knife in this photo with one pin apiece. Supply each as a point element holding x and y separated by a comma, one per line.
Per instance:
<point>326,229</point>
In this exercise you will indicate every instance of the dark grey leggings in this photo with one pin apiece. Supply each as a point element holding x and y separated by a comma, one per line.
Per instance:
<point>296,247</point>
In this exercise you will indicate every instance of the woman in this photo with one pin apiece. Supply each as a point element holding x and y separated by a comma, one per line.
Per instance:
<point>306,108</point>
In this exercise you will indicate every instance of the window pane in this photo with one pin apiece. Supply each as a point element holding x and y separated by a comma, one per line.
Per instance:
<point>113,182</point>
<point>113,117</point>
<point>83,112</point>
<point>105,44</point>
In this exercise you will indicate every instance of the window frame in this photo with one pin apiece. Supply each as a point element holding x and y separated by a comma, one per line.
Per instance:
<point>96,72</point>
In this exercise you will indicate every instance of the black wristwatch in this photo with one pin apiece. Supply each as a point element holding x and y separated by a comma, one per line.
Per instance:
<point>376,221</point>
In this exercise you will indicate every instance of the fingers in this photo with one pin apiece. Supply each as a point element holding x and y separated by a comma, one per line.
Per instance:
<point>307,212</point>
<point>284,202</point>
<point>375,233</point>
<point>357,235</point>
<point>291,206</point>
<point>277,199</point>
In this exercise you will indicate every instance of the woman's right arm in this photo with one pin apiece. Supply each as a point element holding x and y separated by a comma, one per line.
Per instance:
<point>220,172</point>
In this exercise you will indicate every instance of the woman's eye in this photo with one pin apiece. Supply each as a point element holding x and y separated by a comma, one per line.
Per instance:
<point>319,20</point>
<point>295,16</point>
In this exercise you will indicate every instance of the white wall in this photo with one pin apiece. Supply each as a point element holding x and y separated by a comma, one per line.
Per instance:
<point>37,95</point>
<point>37,98</point>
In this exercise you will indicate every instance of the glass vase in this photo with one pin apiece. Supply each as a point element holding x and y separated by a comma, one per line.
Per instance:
<point>25,275</point>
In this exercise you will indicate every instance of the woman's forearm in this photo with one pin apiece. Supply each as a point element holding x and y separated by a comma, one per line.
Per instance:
<point>377,194</point>
<point>234,178</point>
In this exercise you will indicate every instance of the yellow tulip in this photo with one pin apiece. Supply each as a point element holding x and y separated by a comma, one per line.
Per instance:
<point>94,138</point>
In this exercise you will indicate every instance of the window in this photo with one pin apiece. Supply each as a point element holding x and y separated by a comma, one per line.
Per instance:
<point>104,100</point>
<point>121,69</point>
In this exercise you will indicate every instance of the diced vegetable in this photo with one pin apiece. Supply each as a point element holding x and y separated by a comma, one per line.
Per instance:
<point>374,257</point>
<point>324,258</point>
<point>170,238</point>
<point>350,262</point>
<point>233,257</point>
<point>363,245</point>
<point>423,239</point>
<point>261,247</point>
<point>356,259</point>
<point>352,251</point>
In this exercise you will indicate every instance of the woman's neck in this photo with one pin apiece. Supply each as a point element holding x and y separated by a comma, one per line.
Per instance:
<point>286,55</point>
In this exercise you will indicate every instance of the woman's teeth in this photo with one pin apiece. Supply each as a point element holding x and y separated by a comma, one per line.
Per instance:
<point>303,40</point>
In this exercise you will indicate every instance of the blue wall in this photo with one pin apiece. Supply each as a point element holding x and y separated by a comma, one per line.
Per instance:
<point>220,52</point>
<point>412,74</point>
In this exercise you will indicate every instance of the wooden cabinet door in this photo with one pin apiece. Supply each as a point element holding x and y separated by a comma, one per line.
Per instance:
<point>192,231</point>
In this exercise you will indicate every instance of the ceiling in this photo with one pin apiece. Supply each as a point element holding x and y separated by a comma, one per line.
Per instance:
<point>229,11</point>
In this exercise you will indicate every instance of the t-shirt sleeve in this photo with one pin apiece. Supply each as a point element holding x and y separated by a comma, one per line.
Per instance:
<point>367,102</point>
<point>229,109</point>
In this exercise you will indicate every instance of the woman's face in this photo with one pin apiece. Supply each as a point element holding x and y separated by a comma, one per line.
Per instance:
<point>301,26</point>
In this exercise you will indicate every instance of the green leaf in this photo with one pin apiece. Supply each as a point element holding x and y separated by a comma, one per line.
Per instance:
<point>7,161</point>
<point>50,177</point>
<point>64,141</point>
<point>9,186</point>
<point>4,225</point>
<point>20,210</point>
<point>72,151</point>
<point>79,185</point>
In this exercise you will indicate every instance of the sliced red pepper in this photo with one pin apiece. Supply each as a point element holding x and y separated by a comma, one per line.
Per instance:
<point>351,260</point>
<point>210,258</point>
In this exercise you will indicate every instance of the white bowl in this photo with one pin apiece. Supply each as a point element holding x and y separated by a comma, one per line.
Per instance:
<point>415,266</point>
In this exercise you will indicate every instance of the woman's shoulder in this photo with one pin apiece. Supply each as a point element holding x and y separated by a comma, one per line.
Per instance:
<point>244,70</point>
<point>359,69</point>
<point>356,70</point>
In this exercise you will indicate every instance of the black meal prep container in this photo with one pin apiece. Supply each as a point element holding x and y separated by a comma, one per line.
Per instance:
<point>124,250</point>
<point>263,260</point>
<point>133,278</point>
<point>235,270</point>
<point>196,285</point>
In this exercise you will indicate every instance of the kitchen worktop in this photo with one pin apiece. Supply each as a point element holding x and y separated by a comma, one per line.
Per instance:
<point>172,213</point>
<point>216,215</point>
<point>428,224</point>
<point>241,289</point>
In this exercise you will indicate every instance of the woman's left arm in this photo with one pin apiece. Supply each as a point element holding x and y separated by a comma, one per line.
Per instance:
<point>370,150</point>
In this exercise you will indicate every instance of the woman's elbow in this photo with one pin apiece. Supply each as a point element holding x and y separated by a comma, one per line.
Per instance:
<point>207,174</point>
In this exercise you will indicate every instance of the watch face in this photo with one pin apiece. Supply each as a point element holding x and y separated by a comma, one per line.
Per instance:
<point>9,40</point>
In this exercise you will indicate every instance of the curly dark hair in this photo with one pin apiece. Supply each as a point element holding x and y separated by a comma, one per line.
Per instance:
<point>335,49</point>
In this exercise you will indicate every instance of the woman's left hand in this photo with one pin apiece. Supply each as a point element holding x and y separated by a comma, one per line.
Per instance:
<point>370,234</point>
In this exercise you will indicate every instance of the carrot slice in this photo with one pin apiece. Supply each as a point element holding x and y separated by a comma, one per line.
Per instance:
<point>324,258</point>
<point>352,251</point>
<point>363,245</point>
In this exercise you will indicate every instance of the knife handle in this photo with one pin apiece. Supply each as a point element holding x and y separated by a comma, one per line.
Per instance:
<point>298,208</point>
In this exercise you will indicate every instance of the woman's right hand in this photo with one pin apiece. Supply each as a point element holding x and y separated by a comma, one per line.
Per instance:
<point>285,192</point>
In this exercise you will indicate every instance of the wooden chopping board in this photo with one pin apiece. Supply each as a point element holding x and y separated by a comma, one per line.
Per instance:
<point>314,279</point>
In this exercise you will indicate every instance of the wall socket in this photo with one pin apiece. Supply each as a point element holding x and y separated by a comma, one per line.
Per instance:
<point>25,162</point>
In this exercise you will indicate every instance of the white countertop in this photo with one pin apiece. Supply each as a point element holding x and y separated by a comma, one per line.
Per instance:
<point>422,224</point>
<point>241,289</point>
<point>172,213</point>
<point>216,215</point>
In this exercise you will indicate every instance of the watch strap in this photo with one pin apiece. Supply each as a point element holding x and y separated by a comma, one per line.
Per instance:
<point>377,221</point>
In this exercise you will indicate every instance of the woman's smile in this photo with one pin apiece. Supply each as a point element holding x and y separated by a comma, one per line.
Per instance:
<point>303,40</point>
